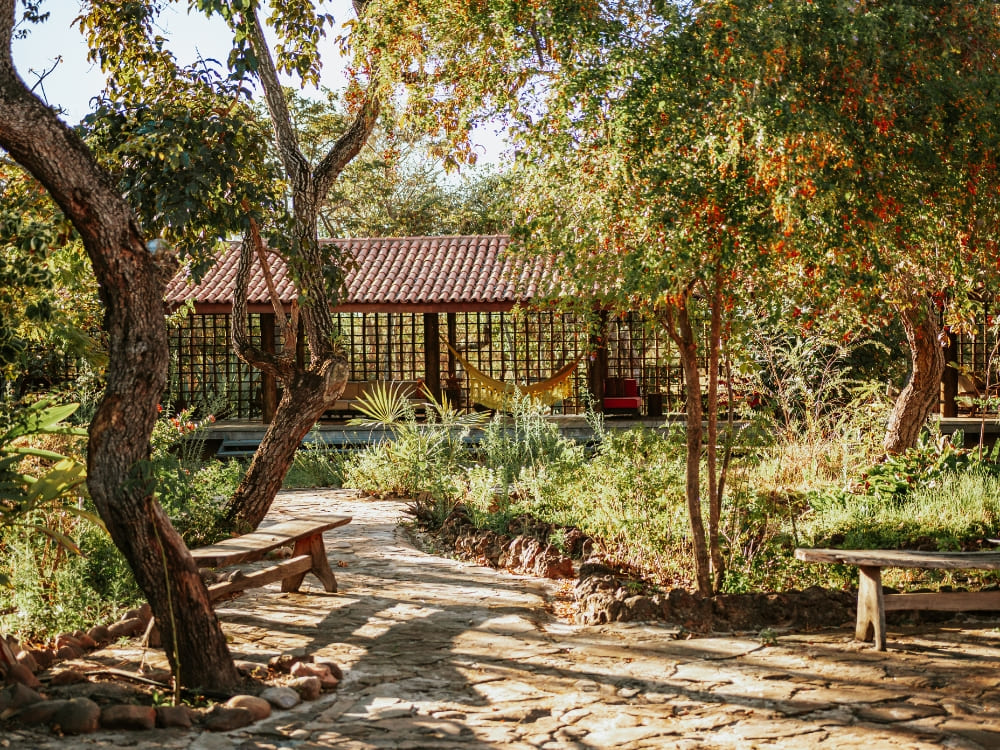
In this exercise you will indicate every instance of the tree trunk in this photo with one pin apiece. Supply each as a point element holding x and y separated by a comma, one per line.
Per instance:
<point>679,327</point>
<point>309,388</point>
<point>711,459</point>
<point>131,285</point>
<point>304,400</point>
<point>920,396</point>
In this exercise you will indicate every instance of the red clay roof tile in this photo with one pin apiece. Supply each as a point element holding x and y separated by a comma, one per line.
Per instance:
<point>430,271</point>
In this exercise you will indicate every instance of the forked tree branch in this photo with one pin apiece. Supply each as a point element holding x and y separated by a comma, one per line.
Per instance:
<point>279,365</point>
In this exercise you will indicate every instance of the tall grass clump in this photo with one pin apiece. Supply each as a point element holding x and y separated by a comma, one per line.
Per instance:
<point>822,420</point>
<point>960,510</point>
<point>427,462</point>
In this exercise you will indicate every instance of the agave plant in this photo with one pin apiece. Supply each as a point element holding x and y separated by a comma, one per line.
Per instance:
<point>383,405</point>
<point>389,405</point>
<point>22,494</point>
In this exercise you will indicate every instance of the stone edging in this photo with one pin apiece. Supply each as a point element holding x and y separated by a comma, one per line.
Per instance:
<point>290,680</point>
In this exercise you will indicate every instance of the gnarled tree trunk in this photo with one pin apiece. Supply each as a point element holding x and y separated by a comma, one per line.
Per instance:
<point>920,396</point>
<point>308,390</point>
<point>131,287</point>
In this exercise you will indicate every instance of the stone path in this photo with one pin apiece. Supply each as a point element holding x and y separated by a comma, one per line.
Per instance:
<point>440,654</point>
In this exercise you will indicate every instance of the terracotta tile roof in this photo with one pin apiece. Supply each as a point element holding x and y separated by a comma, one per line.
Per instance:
<point>416,272</point>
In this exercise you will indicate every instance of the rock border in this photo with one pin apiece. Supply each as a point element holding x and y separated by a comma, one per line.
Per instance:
<point>606,594</point>
<point>286,681</point>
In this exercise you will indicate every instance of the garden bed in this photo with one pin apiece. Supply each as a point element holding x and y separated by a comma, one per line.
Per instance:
<point>604,592</point>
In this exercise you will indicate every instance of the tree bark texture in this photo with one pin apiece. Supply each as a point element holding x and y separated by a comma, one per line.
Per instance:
<point>131,286</point>
<point>678,324</point>
<point>920,396</point>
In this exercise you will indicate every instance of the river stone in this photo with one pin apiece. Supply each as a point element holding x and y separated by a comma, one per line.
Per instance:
<point>41,712</point>
<point>321,670</point>
<point>259,707</point>
<point>99,633</point>
<point>29,661</point>
<point>225,719</point>
<point>144,613</point>
<point>281,697</point>
<point>124,716</point>
<point>78,716</point>
<point>68,676</point>
<point>128,628</point>
<point>67,639</point>
<point>43,657</point>
<point>335,669</point>
<point>308,687</point>
<point>19,673</point>
<point>18,696</point>
<point>173,716</point>
<point>285,662</point>
<point>69,652</point>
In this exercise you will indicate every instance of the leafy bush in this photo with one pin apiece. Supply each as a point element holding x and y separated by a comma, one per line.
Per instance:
<point>53,590</point>
<point>316,465</point>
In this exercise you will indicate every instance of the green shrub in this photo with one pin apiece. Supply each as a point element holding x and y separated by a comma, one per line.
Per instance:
<point>53,590</point>
<point>316,464</point>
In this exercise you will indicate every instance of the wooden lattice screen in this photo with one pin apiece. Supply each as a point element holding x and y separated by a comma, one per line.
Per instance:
<point>205,373</point>
<point>520,346</point>
<point>638,349</point>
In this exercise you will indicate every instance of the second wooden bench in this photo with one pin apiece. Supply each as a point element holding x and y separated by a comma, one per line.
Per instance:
<point>873,603</point>
<point>308,555</point>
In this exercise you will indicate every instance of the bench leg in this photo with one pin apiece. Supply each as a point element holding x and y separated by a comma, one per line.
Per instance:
<point>871,607</point>
<point>312,546</point>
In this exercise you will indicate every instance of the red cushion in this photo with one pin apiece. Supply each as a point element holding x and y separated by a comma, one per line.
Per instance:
<point>631,386</point>
<point>622,402</point>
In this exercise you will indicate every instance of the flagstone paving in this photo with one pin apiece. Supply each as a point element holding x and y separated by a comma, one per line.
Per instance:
<point>439,653</point>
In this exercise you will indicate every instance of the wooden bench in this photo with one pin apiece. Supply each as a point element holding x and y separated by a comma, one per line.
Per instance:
<point>308,555</point>
<point>873,603</point>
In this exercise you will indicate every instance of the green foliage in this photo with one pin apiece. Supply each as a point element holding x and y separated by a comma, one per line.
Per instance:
<point>192,492</point>
<point>524,443</point>
<point>52,590</point>
<point>316,464</point>
<point>25,498</point>
<point>421,460</point>
<point>48,301</point>
<point>193,161</point>
<point>959,510</point>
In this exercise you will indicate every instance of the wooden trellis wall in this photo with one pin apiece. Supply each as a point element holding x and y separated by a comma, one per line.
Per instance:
<point>519,346</point>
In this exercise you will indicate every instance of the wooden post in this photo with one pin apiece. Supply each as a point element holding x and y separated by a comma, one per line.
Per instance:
<point>597,361</point>
<point>268,383</point>
<point>871,607</point>
<point>453,342</point>
<point>312,546</point>
<point>432,355</point>
<point>949,379</point>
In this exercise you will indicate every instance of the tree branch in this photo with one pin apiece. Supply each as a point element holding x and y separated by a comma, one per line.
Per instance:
<point>280,366</point>
<point>347,146</point>
<point>295,163</point>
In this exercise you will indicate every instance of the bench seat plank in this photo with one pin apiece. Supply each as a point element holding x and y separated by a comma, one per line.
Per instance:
<point>255,545</point>
<point>880,558</point>
<point>945,601</point>
<point>873,603</point>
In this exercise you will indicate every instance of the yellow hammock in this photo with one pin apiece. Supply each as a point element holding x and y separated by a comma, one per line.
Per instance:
<point>496,394</point>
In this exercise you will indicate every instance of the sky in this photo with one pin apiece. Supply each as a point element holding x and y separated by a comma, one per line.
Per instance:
<point>56,52</point>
